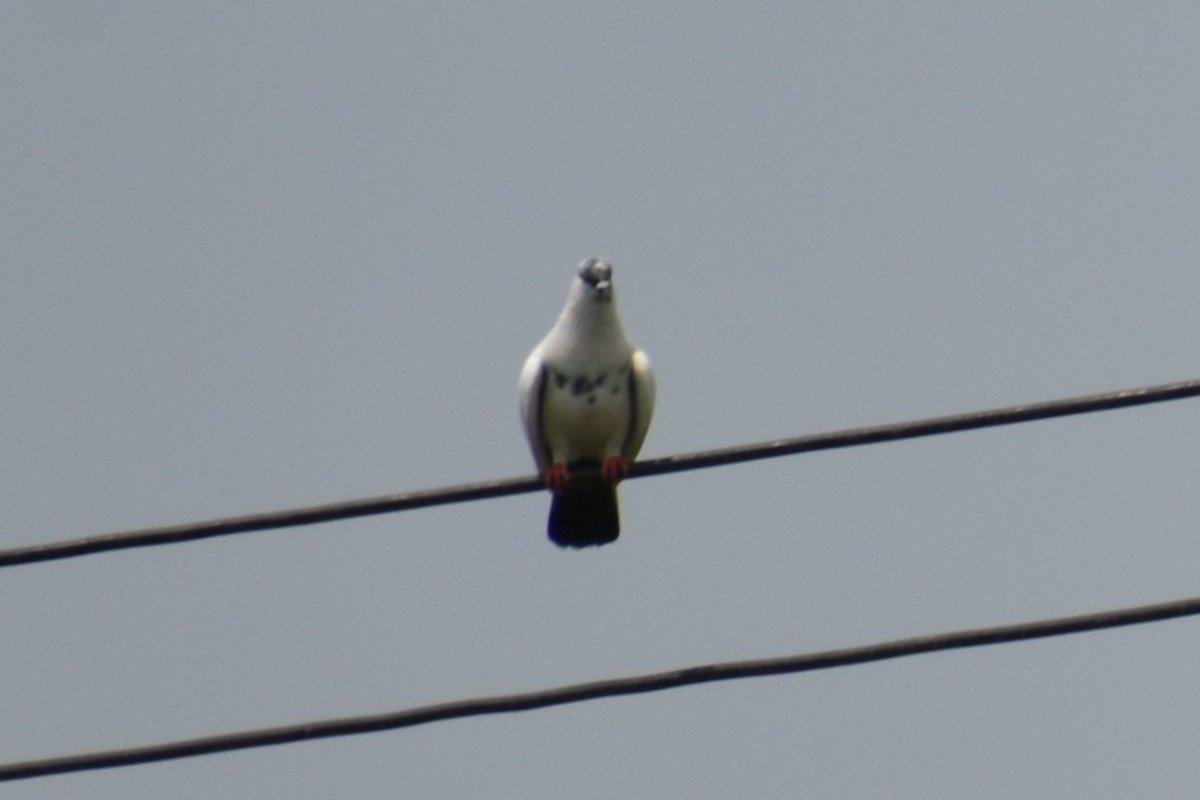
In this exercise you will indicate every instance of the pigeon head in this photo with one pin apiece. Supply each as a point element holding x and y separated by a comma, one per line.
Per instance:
<point>597,279</point>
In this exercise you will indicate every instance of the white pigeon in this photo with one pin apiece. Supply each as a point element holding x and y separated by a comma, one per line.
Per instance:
<point>586,399</point>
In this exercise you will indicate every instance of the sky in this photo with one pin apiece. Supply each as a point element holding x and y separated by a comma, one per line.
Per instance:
<point>263,255</point>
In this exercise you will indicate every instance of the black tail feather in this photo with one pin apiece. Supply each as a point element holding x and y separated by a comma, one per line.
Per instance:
<point>584,513</point>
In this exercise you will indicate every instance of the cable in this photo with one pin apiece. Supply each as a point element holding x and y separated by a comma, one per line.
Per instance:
<point>265,521</point>
<point>853,437</point>
<point>575,693</point>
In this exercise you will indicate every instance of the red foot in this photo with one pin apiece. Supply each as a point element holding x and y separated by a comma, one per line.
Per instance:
<point>614,469</point>
<point>556,477</point>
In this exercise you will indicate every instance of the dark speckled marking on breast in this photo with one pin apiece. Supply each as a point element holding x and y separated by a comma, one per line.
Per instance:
<point>585,387</point>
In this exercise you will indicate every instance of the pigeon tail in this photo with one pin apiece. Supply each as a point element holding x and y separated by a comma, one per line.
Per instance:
<point>584,513</point>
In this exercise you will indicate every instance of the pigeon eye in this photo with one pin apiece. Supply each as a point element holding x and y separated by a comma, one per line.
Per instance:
<point>592,271</point>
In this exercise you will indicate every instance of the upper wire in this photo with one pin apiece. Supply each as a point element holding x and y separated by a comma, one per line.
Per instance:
<point>349,509</point>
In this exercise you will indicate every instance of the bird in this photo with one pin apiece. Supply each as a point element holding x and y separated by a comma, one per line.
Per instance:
<point>586,398</point>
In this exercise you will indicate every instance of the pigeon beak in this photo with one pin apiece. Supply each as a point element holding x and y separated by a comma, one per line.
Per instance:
<point>604,290</point>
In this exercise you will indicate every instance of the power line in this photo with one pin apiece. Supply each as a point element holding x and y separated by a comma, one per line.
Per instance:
<point>289,518</point>
<point>575,693</point>
<point>349,509</point>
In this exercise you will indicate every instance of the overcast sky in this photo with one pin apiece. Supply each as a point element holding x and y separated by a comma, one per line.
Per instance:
<point>269,254</point>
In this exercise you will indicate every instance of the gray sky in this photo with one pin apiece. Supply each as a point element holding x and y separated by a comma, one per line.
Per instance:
<point>282,253</point>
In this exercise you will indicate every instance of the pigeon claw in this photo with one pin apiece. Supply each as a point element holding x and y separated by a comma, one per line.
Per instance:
<point>556,477</point>
<point>614,469</point>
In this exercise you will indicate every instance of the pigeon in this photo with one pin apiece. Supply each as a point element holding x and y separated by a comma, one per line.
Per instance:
<point>586,399</point>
